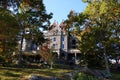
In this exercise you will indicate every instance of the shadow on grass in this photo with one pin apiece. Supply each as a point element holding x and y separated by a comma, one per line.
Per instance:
<point>116,74</point>
<point>9,74</point>
<point>10,70</point>
<point>16,72</point>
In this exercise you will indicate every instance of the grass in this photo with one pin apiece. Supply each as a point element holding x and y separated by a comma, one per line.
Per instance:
<point>83,76</point>
<point>116,74</point>
<point>10,73</point>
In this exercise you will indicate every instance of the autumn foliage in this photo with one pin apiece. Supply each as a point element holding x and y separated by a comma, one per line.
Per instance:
<point>45,53</point>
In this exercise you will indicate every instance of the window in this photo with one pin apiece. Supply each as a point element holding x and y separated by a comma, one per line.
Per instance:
<point>54,39</point>
<point>34,46</point>
<point>62,46</point>
<point>62,38</point>
<point>54,46</point>
<point>56,31</point>
<point>73,41</point>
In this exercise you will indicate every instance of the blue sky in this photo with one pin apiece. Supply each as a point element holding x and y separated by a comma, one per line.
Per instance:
<point>61,8</point>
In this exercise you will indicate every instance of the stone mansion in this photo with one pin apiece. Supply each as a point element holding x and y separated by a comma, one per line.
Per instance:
<point>64,44</point>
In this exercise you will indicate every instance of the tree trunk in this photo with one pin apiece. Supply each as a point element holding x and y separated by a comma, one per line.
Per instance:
<point>20,54</point>
<point>106,64</point>
<point>51,65</point>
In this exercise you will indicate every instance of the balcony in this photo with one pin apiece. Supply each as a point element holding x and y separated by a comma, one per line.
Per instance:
<point>74,51</point>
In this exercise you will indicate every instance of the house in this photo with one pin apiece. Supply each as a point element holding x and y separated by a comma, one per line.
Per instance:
<point>59,40</point>
<point>64,44</point>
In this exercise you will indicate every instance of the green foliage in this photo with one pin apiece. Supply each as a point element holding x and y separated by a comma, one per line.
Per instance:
<point>103,22</point>
<point>83,76</point>
<point>8,34</point>
<point>9,26</point>
<point>94,61</point>
<point>29,14</point>
<point>98,24</point>
<point>2,60</point>
<point>32,15</point>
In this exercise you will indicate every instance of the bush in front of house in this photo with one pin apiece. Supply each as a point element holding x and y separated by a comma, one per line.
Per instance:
<point>83,76</point>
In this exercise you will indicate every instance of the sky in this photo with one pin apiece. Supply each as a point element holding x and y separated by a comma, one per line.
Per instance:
<point>61,8</point>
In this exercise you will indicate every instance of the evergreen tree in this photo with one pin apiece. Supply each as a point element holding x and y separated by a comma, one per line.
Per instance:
<point>100,29</point>
<point>9,29</point>
<point>31,15</point>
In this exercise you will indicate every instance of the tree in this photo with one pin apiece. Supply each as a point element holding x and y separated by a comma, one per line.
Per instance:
<point>8,34</point>
<point>75,22</point>
<point>104,19</point>
<point>47,55</point>
<point>100,30</point>
<point>30,14</point>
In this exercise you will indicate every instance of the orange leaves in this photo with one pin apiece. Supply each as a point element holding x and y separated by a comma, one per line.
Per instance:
<point>44,48</point>
<point>45,53</point>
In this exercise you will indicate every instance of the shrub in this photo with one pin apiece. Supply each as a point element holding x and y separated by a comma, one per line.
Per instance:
<point>83,76</point>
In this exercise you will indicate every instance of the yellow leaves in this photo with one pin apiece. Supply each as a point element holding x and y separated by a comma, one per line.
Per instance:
<point>88,9</point>
<point>92,9</point>
<point>24,6</point>
<point>115,10</point>
<point>103,7</point>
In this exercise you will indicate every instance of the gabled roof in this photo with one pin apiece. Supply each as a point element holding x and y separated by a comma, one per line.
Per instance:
<point>54,24</point>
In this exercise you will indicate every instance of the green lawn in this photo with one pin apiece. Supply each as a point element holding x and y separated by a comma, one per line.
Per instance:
<point>9,73</point>
<point>116,75</point>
